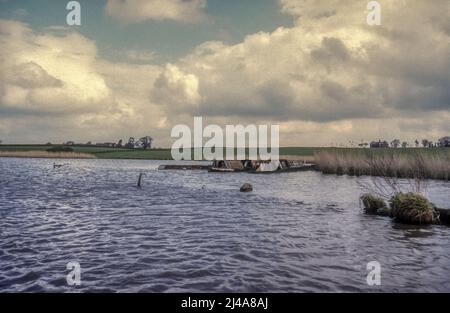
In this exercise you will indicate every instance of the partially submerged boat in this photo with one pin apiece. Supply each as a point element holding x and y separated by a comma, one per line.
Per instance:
<point>184,167</point>
<point>248,166</point>
<point>228,166</point>
<point>268,167</point>
<point>261,167</point>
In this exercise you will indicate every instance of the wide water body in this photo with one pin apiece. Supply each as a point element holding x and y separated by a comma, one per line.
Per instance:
<point>195,232</point>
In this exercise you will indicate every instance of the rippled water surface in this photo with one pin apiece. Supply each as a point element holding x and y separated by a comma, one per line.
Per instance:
<point>194,231</point>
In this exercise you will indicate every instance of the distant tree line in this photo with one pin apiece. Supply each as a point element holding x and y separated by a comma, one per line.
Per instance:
<point>142,143</point>
<point>397,143</point>
<point>132,143</point>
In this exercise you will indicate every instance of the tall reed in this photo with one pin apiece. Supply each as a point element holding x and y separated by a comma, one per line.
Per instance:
<point>388,163</point>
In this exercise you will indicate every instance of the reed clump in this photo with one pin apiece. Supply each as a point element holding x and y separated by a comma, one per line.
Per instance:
<point>374,205</point>
<point>387,163</point>
<point>413,208</point>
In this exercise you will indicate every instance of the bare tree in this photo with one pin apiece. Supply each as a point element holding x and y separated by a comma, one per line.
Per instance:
<point>386,182</point>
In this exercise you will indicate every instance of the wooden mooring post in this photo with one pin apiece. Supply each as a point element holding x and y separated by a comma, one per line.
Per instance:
<point>140,180</point>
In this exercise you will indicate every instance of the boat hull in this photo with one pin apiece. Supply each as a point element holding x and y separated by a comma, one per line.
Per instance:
<point>287,170</point>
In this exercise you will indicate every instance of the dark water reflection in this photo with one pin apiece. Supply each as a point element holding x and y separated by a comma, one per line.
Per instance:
<point>193,231</point>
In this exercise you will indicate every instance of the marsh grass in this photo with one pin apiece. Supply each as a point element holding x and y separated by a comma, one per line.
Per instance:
<point>372,204</point>
<point>46,154</point>
<point>417,165</point>
<point>413,209</point>
<point>301,158</point>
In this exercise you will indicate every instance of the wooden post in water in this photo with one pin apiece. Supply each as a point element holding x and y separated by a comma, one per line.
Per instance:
<point>139,180</point>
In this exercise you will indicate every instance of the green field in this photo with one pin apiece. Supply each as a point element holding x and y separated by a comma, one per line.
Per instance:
<point>100,152</point>
<point>165,154</point>
<point>83,149</point>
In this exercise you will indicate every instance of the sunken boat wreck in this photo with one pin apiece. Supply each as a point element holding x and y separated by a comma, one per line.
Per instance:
<point>261,167</point>
<point>248,166</point>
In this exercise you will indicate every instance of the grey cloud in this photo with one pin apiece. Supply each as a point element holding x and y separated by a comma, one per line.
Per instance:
<point>332,49</point>
<point>271,99</point>
<point>278,100</point>
<point>134,11</point>
<point>333,90</point>
<point>32,75</point>
<point>325,14</point>
<point>175,89</point>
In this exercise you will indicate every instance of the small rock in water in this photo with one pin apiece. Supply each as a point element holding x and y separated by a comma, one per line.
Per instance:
<point>246,188</point>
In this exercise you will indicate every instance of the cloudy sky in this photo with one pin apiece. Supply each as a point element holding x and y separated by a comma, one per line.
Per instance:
<point>139,67</point>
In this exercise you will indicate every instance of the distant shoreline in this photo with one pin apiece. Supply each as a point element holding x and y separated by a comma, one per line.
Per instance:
<point>75,155</point>
<point>113,153</point>
<point>45,155</point>
<point>433,163</point>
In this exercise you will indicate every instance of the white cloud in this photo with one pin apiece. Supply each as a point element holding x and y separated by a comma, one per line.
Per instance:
<point>320,72</point>
<point>331,72</point>
<point>133,11</point>
<point>140,55</point>
<point>57,86</point>
<point>47,72</point>
<point>329,78</point>
<point>177,90</point>
<point>30,75</point>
